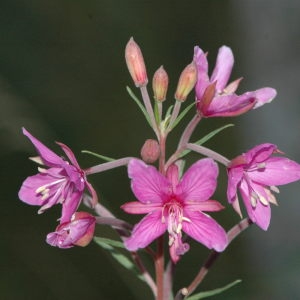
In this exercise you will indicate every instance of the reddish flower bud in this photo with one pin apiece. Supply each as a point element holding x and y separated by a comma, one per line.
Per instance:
<point>186,82</point>
<point>78,231</point>
<point>150,151</point>
<point>135,63</point>
<point>160,84</point>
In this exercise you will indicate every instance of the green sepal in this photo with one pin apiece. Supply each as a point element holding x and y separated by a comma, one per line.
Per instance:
<point>181,116</point>
<point>140,105</point>
<point>210,293</point>
<point>206,138</point>
<point>111,246</point>
<point>105,158</point>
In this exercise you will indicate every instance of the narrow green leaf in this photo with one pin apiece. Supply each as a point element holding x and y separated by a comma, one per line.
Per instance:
<point>105,158</point>
<point>181,116</point>
<point>206,138</point>
<point>140,105</point>
<point>168,113</point>
<point>207,294</point>
<point>123,260</point>
<point>113,243</point>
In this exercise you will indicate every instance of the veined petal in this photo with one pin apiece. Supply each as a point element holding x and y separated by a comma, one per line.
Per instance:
<point>70,205</point>
<point>276,171</point>
<point>208,205</point>
<point>234,177</point>
<point>38,189</point>
<point>202,72</point>
<point>146,231</point>
<point>49,157</point>
<point>199,181</point>
<point>137,207</point>
<point>230,105</point>
<point>69,154</point>
<point>205,230</point>
<point>264,95</point>
<point>223,68</point>
<point>148,185</point>
<point>259,214</point>
<point>260,153</point>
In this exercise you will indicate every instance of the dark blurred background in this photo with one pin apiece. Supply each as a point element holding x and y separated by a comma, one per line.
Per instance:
<point>63,77</point>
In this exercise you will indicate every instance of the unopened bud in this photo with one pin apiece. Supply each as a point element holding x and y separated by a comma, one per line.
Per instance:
<point>135,63</point>
<point>150,151</point>
<point>187,81</point>
<point>160,84</point>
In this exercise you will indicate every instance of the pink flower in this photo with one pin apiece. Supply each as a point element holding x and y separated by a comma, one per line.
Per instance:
<point>77,232</point>
<point>175,206</point>
<point>215,97</point>
<point>62,182</point>
<point>256,174</point>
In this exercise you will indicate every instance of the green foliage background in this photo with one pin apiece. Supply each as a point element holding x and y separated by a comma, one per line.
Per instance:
<point>63,77</point>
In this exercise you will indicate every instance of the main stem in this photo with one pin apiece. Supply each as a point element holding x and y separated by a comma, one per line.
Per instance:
<point>159,260</point>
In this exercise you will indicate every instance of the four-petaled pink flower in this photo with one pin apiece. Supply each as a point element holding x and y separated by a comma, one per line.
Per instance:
<point>61,183</point>
<point>256,174</point>
<point>175,206</point>
<point>79,231</point>
<point>214,98</point>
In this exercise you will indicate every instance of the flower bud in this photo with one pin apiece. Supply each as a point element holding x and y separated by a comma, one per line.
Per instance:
<point>135,63</point>
<point>150,151</point>
<point>79,231</point>
<point>160,84</point>
<point>186,82</point>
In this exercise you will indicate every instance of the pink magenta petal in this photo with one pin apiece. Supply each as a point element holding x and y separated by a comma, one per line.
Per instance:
<point>146,231</point>
<point>208,205</point>
<point>260,214</point>
<point>264,95</point>
<point>234,177</point>
<point>69,154</point>
<point>230,105</point>
<point>202,72</point>
<point>136,207</point>
<point>259,153</point>
<point>276,171</point>
<point>223,68</point>
<point>205,230</point>
<point>49,157</point>
<point>148,185</point>
<point>70,205</point>
<point>199,181</point>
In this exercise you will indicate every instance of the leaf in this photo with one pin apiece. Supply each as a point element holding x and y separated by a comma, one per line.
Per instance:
<point>210,293</point>
<point>206,138</point>
<point>106,158</point>
<point>122,259</point>
<point>180,117</point>
<point>140,105</point>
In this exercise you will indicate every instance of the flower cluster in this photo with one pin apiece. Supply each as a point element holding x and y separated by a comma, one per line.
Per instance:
<point>174,201</point>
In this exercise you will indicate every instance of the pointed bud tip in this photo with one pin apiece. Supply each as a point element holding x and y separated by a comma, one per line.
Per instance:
<point>160,84</point>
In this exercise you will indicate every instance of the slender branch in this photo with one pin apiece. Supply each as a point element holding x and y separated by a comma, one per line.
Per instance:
<point>209,153</point>
<point>189,131</point>
<point>175,113</point>
<point>107,166</point>
<point>149,109</point>
<point>232,234</point>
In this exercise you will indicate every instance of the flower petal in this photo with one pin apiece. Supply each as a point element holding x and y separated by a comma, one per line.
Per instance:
<point>49,157</point>
<point>276,171</point>
<point>234,177</point>
<point>199,181</point>
<point>70,205</point>
<point>223,68</point>
<point>137,207</point>
<point>146,231</point>
<point>260,214</point>
<point>208,205</point>
<point>230,105</point>
<point>205,230</point>
<point>264,95</point>
<point>148,185</point>
<point>260,153</point>
<point>69,154</point>
<point>202,72</point>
